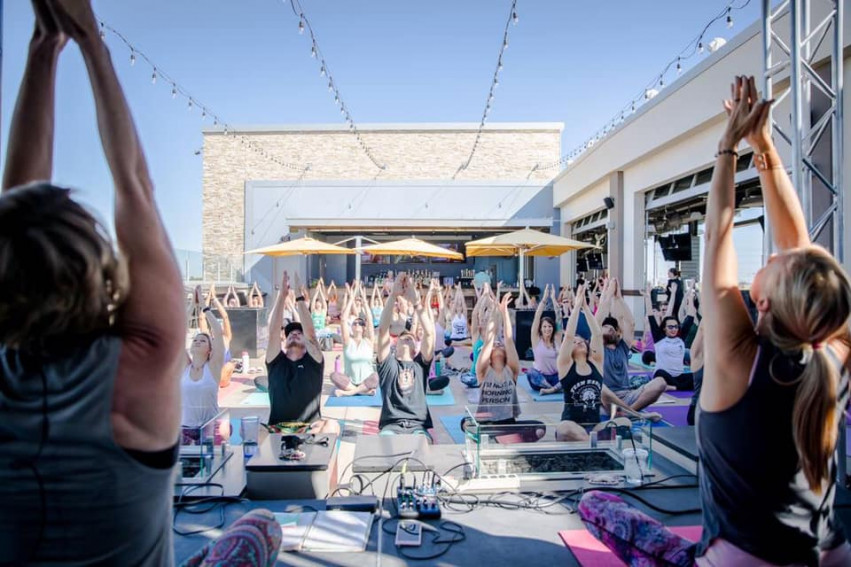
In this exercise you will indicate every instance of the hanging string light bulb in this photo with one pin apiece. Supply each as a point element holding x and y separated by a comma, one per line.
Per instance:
<point>173,90</point>
<point>313,51</point>
<point>132,58</point>
<point>154,77</point>
<point>301,25</point>
<point>729,18</point>
<point>679,66</point>
<point>322,70</point>
<point>102,32</point>
<point>514,18</point>
<point>189,105</point>
<point>700,46</point>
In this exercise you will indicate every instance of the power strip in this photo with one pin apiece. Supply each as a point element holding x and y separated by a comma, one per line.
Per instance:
<point>489,483</point>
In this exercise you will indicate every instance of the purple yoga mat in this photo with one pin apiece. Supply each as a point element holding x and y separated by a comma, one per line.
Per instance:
<point>680,394</point>
<point>675,415</point>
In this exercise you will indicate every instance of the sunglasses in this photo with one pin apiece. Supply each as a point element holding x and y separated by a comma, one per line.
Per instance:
<point>672,327</point>
<point>357,324</point>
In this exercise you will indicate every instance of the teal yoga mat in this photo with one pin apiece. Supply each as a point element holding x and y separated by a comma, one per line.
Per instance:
<point>523,382</point>
<point>374,401</point>
<point>256,399</point>
<point>452,424</point>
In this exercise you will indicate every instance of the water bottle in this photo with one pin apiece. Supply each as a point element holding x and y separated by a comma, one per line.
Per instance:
<point>438,366</point>
<point>246,362</point>
<point>337,364</point>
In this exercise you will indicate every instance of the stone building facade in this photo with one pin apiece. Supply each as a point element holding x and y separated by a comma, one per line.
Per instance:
<point>410,152</point>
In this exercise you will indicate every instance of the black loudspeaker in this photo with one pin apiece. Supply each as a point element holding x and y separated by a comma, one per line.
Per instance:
<point>609,202</point>
<point>582,265</point>
<point>523,329</point>
<point>246,324</point>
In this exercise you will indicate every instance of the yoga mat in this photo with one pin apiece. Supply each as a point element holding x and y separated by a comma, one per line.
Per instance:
<point>635,360</point>
<point>590,552</point>
<point>523,381</point>
<point>452,424</point>
<point>256,399</point>
<point>374,401</point>
<point>674,415</point>
<point>681,394</point>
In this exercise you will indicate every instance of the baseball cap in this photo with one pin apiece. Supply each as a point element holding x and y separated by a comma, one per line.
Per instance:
<point>294,326</point>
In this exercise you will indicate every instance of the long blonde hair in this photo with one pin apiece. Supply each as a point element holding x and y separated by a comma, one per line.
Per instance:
<point>810,305</point>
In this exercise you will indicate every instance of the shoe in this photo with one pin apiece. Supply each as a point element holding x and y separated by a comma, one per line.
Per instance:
<point>470,380</point>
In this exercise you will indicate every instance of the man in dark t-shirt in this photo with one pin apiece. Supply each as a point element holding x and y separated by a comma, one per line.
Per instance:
<point>295,370</point>
<point>403,372</point>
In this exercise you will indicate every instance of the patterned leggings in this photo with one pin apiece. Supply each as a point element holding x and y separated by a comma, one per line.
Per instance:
<point>253,540</point>
<point>637,539</point>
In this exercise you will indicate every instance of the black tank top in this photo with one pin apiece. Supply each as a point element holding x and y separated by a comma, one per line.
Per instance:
<point>582,395</point>
<point>753,491</point>
<point>68,493</point>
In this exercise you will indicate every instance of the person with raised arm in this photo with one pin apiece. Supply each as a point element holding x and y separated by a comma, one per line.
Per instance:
<point>295,365</point>
<point>483,305</point>
<point>376,304</point>
<point>255,298</point>
<point>359,376</point>
<point>773,395</point>
<point>231,298</point>
<point>228,364</point>
<point>319,307</point>
<point>544,372</point>
<point>580,365</point>
<point>403,373</point>
<point>670,352</point>
<point>497,370</point>
<point>90,368</point>
<point>618,326</point>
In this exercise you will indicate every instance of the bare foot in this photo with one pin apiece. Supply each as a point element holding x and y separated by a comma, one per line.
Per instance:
<point>342,393</point>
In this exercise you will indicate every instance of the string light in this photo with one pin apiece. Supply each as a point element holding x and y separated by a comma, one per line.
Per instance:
<point>191,101</point>
<point>102,32</point>
<point>301,27</point>
<point>316,53</point>
<point>694,47</point>
<point>512,18</point>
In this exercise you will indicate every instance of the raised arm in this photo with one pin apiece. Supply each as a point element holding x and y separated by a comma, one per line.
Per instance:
<point>384,342</point>
<point>488,339</point>
<point>596,355</point>
<point>366,314</point>
<point>729,337</point>
<point>217,345</point>
<point>624,315</point>
<point>310,341</point>
<point>146,402</point>
<point>565,351</point>
<point>348,303</point>
<point>29,156</point>
<point>788,225</point>
<point>535,335</point>
<point>276,320</point>
<point>511,357</point>
<point>423,312</point>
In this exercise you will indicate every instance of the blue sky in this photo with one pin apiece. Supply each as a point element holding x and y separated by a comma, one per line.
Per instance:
<point>394,61</point>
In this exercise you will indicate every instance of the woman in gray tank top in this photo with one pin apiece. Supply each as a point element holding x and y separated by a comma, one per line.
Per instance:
<point>767,496</point>
<point>90,342</point>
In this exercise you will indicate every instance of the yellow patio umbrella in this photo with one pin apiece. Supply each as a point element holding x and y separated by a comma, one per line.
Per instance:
<point>302,246</point>
<point>411,247</point>
<point>526,242</point>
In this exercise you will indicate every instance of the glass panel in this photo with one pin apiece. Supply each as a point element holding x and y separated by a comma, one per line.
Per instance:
<point>540,445</point>
<point>204,449</point>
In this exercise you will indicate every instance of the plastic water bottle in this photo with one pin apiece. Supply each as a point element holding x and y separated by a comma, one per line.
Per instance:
<point>438,366</point>
<point>337,364</point>
<point>246,362</point>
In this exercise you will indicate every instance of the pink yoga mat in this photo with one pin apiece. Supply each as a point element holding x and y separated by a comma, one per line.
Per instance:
<point>590,552</point>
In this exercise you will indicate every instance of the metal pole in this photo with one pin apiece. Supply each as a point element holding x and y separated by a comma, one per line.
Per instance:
<point>767,93</point>
<point>520,270</point>
<point>838,142</point>
<point>1,59</point>
<point>358,244</point>
<point>795,10</point>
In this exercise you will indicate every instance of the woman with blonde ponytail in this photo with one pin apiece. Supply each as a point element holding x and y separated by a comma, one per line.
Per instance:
<point>773,396</point>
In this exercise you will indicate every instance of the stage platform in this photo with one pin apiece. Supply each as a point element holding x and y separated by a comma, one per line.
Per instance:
<point>500,529</point>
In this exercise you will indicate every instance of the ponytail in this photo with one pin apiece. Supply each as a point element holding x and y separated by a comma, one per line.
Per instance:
<point>814,419</point>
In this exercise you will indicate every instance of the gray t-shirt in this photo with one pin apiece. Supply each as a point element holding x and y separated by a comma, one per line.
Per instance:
<point>498,400</point>
<point>616,367</point>
<point>403,391</point>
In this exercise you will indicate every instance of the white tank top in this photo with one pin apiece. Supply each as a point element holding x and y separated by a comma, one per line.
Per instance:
<point>670,354</point>
<point>200,398</point>
<point>459,327</point>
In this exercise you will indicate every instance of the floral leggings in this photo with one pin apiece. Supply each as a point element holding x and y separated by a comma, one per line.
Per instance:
<point>637,539</point>
<point>253,540</point>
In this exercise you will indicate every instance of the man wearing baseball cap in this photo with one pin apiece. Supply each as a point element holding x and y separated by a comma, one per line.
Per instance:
<point>295,365</point>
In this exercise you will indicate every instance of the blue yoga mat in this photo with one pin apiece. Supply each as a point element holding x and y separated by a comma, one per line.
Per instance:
<point>452,424</point>
<point>374,401</point>
<point>523,382</point>
<point>256,399</point>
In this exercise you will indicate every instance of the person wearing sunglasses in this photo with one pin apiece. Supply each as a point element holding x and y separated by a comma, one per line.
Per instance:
<point>670,353</point>
<point>359,376</point>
